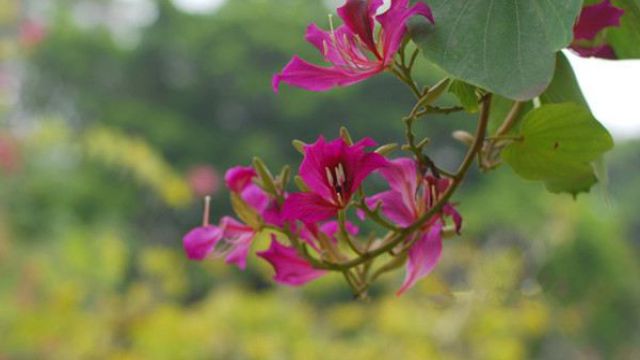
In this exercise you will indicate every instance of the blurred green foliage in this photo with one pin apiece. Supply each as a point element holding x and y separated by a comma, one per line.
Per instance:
<point>91,221</point>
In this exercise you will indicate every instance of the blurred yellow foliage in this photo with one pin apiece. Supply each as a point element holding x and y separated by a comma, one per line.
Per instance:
<point>117,149</point>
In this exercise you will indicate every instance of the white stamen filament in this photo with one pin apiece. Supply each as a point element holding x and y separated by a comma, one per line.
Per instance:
<point>434,194</point>
<point>340,175</point>
<point>354,61</point>
<point>207,207</point>
<point>333,33</point>
<point>329,176</point>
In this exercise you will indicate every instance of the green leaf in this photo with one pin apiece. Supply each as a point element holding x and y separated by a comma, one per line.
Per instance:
<point>245,212</point>
<point>564,86</point>
<point>507,47</point>
<point>581,182</point>
<point>559,144</point>
<point>466,94</point>
<point>266,179</point>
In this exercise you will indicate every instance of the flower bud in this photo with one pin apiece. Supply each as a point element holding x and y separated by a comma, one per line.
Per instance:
<point>463,136</point>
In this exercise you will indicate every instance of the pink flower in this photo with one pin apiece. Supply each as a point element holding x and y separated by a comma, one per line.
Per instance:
<point>333,171</point>
<point>232,239</point>
<point>353,49</point>
<point>409,198</point>
<point>204,180</point>
<point>291,269</point>
<point>31,33</point>
<point>592,20</point>
<point>10,158</point>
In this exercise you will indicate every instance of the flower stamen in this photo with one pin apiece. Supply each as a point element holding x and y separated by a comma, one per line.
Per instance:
<point>207,207</point>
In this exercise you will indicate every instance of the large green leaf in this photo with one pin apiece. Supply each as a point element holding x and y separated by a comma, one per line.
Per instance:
<point>505,46</point>
<point>564,86</point>
<point>558,144</point>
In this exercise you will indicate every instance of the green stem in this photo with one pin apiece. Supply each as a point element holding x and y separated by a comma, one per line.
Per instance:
<point>344,234</point>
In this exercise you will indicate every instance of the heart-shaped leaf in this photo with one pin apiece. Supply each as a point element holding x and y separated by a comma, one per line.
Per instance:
<point>558,143</point>
<point>507,47</point>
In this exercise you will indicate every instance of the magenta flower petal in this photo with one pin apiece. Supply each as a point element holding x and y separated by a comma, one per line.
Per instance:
<point>394,25</point>
<point>290,268</point>
<point>253,195</point>
<point>358,15</point>
<point>595,18</point>
<point>601,52</point>
<point>402,176</point>
<point>393,207</point>
<point>336,168</point>
<point>200,242</point>
<point>238,253</point>
<point>316,78</point>
<point>308,208</point>
<point>333,46</point>
<point>450,211</point>
<point>317,157</point>
<point>235,242</point>
<point>423,256</point>
<point>239,177</point>
<point>311,231</point>
<point>331,228</point>
<point>363,166</point>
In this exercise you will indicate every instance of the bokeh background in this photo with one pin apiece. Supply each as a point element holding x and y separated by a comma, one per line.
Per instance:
<point>117,116</point>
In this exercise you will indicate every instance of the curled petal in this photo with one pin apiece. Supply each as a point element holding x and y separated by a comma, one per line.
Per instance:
<point>450,211</point>
<point>358,15</point>
<point>200,242</point>
<point>308,208</point>
<point>364,166</point>
<point>393,207</point>
<point>402,176</point>
<point>423,256</point>
<point>290,268</point>
<point>394,25</point>
<point>239,177</point>
<point>595,18</point>
<point>316,78</point>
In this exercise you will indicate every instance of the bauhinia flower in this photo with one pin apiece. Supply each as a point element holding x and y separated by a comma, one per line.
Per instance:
<point>592,20</point>
<point>354,49</point>
<point>409,198</point>
<point>333,172</point>
<point>232,239</point>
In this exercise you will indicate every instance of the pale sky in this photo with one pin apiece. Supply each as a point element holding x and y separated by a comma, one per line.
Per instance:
<point>612,88</point>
